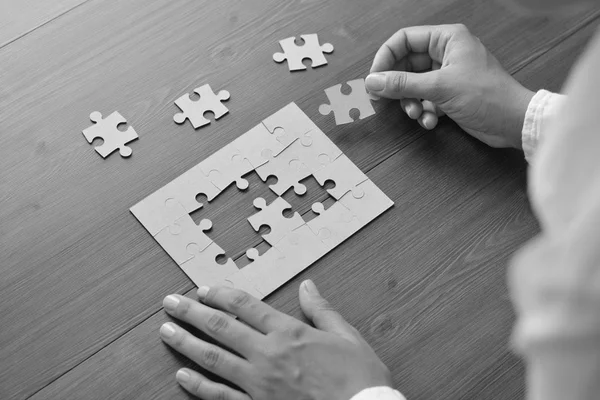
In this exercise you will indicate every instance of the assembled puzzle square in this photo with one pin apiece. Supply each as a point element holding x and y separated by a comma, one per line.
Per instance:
<point>289,146</point>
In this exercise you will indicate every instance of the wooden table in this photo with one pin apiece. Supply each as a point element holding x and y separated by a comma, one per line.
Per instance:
<point>82,281</point>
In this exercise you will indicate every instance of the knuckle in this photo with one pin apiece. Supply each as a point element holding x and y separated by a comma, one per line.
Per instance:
<point>297,331</point>
<point>196,387</point>
<point>239,299</point>
<point>323,305</point>
<point>217,322</point>
<point>211,358</point>
<point>397,82</point>
<point>460,28</point>
<point>220,394</point>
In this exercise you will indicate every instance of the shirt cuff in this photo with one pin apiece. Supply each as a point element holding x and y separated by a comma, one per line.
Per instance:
<point>379,393</point>
<point>541,108</point>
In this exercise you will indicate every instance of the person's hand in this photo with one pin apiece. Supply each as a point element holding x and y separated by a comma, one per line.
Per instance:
<point>437,70</point>
<point>278,357</point>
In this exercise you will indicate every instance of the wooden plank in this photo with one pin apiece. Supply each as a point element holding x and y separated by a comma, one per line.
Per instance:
<point>78,270</point>
<point>19,17</point>
<point>433,269</point>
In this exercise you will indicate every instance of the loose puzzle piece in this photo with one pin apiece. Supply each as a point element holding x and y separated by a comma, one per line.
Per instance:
<point>195,110</point>
<point>106,129</point>
<point>267,271</point>
<point>287,168</point>
<point>257,145</point>
<point>203,268</point>
<point>341,104</point>
<point>226,166</point>
<point>311,49</point>
<point>317,150</point>
<point>272,216</point>
<point>289,124</point>
<point>367,208</point>
<point>176,238</point>
<point>346,176</point>
<point>158,211</point>
<point>333,225</point>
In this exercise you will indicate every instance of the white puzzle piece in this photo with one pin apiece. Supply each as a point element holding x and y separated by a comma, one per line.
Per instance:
<point>316,150</point>
<point>346,176</point>
<point>272,216</point>
<point>287,168</point>
<point>311,49</point>
<point>368,207</point>
<point>194,110</point>
<point>158,211</point>
<point>294,244</point>
<point>113,139</point>
<point>301,248</point>
<point>238,280</point>
<point>257,145</point>
<point>266,271</point>
<point>203,268</point>
<point>341,104</point>
<point>333,225</point>
<point>289,124</point>
<point>176,238</point>
<point>227,166</point>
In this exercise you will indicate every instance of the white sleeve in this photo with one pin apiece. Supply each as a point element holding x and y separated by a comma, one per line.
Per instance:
<point>540,111</point>
<point>378,393</point>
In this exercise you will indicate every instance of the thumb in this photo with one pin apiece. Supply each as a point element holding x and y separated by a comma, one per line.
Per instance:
<point>322,314</point>
<point>401,84</point>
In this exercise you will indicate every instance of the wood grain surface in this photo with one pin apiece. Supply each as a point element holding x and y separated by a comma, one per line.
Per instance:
<point>82,281</point>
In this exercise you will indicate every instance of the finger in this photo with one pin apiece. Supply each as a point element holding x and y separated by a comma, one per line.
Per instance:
<point>409,40</point>
<point>322,314</point>
<point>206,355</point>
<point>428,120</point>
<point>249,309</point>
<point>419,62</point>
<point>412,107</point>
<point>401,84</point>
<point>206,389</point>
<point>214,323</point>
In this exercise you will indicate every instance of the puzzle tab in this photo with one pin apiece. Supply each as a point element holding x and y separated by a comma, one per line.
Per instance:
<point>107,130</point>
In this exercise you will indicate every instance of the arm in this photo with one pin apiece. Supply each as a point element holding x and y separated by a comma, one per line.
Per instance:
<point>555,279</point>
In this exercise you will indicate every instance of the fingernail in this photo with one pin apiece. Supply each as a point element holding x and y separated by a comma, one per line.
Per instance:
<point>375,82</point>
<point>202,292</point>
<point>310,287</point>
<point>183,376</point>
<point>167,330</point>
<point>409,109</point>
<point>427,123</point>
<point>170,303</point>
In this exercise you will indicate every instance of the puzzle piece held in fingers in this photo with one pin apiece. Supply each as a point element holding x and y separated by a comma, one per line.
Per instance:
<point>342,104</point>
<point>107,130</point>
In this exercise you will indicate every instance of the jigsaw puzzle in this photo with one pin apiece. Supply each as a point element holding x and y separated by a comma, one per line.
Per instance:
<point>341,104</point>
<point>289,146</point>
<point>311,49</point>
<point>107,130</point>
<point>194,110</point>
